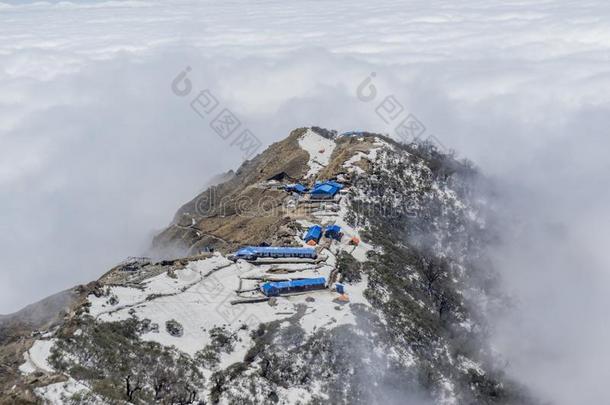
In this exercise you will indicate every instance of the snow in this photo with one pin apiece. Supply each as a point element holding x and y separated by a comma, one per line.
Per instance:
<point>199,308</point>
<point>320,150</point>
<point>164,284</point>
<point>59,393</point>
<point>28,367</point>
<point>242,346</point>
<point>370,155</point>
<point>125,296</point>
<point>350,163</point>
<point>296,395</point>
<point>324,312</point>
<point>128,297</point>
<point>206,303</point>
<point>36,358</point>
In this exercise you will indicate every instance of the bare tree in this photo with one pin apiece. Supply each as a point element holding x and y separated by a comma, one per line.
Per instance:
<point>433,269</point>
<point>133,384</point>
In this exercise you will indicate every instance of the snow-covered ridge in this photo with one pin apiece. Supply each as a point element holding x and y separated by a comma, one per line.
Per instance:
<point>184,306</point>
<point>199,296</point>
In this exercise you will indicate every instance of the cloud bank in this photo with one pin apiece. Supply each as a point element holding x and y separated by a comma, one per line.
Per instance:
<point>96,152</point>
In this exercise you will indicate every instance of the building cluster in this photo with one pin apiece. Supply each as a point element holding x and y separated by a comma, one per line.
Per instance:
<point>308,253</point>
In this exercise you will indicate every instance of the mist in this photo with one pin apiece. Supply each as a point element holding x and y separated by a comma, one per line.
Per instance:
<point>97,153</point>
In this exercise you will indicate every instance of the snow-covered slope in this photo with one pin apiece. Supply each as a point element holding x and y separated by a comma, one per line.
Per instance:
<point>319,148</point>
<point>200,328</point>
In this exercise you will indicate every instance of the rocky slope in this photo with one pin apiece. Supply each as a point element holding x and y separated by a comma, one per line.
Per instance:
<point>195,328</point>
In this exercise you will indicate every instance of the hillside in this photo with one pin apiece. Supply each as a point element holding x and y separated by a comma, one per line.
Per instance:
<point>197,327</point>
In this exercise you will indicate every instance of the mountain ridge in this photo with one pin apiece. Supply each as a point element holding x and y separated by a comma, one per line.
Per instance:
<point>412,259</point>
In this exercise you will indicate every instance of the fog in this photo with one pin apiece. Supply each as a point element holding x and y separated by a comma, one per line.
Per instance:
<point>97,152</point>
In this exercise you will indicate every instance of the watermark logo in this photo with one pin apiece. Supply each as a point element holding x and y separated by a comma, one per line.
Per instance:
<point>229,312</point>
<point>389,109</point>
<point>181,85</point>
<point>366,91</point>
<point>247,142</point>
<point>205,204</point>
<point>211,288</point>
<point>410,128</point>
<point>215,293</point>
<point>225,123</point>
<point>204,103</point>
<point>215,296</point>
<point>210,204</point>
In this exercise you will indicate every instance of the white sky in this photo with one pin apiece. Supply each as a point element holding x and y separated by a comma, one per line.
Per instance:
<point>96,153</point>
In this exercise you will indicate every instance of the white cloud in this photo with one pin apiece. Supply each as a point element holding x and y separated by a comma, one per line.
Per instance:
<point>96,152</point>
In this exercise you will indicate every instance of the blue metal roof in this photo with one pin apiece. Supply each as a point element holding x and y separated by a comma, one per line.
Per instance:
<point>308,282</point>
<point>334,184</point>
<point>313,233</point>
<point>333,228</point>
<point>327,187</point>
<point>250,250</point>
<point>332,231</point>
<point>275,287</point>
<point>269,289</point>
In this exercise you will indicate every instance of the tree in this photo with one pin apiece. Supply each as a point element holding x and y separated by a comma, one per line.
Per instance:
<point>433,269</point>
<point>133,384</point>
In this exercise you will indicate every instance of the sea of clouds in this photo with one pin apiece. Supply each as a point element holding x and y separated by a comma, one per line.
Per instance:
<point>97,152</point>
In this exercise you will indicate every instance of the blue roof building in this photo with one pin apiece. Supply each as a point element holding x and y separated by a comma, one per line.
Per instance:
<point>254,252</point>
<point>326,189</point>
<point>275,288</point>
<point>333,232</point>
<point>313,233</point>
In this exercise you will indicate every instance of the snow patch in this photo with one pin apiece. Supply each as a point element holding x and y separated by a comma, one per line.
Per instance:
<point>60,393</point>
<point>325,312</point>
<point>36,358</point>
<point>320,150</point>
